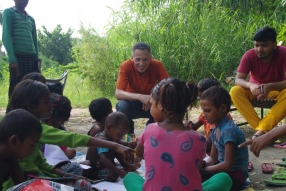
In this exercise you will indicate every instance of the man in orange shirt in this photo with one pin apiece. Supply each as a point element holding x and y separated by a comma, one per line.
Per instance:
<point>135,81</point>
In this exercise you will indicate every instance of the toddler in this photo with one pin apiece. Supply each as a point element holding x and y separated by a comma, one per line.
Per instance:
<point>102,159</point>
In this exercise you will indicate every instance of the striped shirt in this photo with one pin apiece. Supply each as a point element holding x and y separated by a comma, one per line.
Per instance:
<point>19,34</point>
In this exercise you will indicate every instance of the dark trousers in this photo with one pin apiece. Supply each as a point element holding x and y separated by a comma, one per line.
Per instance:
<point>27,64</point>
<point>236,177</point>
<point>133,110</point>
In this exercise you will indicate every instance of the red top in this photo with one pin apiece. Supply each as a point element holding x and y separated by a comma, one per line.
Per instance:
<point>261,72</point>
<point>130,80</point>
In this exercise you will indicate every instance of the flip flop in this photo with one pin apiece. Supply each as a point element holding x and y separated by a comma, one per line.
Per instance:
<point>275,182</point>
<point>266,168</point>
<point>277,179</point>
<point>250,166</point>
<point>280,146</point>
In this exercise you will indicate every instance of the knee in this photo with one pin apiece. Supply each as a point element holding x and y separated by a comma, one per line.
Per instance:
<point>225,181</point>
<point>235,91</point>
<point>123,106</point>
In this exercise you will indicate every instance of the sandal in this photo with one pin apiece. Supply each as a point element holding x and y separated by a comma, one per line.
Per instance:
<point>277,179</point>
<point>250,166</point>
<point>280,146</point>
<point>266,168</point>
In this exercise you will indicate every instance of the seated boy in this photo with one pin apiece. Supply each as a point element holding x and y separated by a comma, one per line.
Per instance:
<point>99,109</point>
<point>203,85</point>
<point>102,159</point>
<point>17,140</point>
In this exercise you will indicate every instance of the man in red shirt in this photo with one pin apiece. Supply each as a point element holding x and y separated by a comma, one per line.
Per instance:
<point>135,81</point>
<point>266,65</point>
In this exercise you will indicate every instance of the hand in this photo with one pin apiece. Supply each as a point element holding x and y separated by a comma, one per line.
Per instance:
<point>132,144</point>
<point>14,68</point>
<point>127,153</point>
<point>255,89</point>
<point>257,144</point>
<point>146,107</point>
<point>189,124</point>
<point>145,99</point>
<point>264,93</point>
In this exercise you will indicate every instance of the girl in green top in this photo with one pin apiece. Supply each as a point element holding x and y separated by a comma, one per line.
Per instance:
<point>34,97</point>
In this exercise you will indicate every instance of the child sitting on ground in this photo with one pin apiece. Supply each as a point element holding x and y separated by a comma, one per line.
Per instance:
<point>99,109</point>
<point>34,97</point>
<point>60,114</point>
<point>173,153</point>
<point>225,155</point>
<point>203,85</point>
<point>17,140</point>
<point>102,159</point>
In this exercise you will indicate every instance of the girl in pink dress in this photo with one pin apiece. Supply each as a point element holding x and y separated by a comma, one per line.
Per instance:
<point>173,153</point>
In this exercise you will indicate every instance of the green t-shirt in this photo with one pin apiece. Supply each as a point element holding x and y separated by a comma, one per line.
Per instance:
<point>36,163</point>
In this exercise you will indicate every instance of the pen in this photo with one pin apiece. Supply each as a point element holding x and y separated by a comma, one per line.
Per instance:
<point>261,89</point>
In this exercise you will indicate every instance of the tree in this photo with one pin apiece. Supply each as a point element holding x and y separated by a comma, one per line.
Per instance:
<point>56,45</point>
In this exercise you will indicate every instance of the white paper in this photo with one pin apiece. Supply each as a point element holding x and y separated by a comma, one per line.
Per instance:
<point>54,155</point>
<point>110,186</point>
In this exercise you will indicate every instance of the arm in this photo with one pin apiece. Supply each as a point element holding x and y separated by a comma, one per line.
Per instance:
<point>123,95</point>
<point>105,161</point>
<point>228,162</point>
<point>16,173</point>
<point>7,35</point>
<point>131,145</point>
<point>196,125</point>
<point>262,141</point>
<point>139,150</point>
<point>213,157</point>
<point>240,80</point>
<point>35,40</point>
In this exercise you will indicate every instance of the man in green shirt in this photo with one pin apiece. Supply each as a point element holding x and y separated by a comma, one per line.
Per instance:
<point>19,38</point>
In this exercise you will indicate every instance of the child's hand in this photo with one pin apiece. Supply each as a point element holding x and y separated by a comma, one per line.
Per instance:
<point>189,124</point>
<point>127,153</point>
<point>132,144</point>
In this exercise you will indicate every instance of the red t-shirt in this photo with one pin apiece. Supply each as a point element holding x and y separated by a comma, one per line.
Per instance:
<point>261,72</point>
<point>130,80</point>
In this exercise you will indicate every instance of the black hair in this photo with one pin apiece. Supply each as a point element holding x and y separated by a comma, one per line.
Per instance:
<point>141,46</point>
<point>206,83</point>
<point>27,92</point>
<point>175,96</point>
<point>218,96</point>
<point>99,108</point>
<point>264,34</point>
<point>21,123</point>
<point>34,76</point>
<point>62,106</point>
<point>117,118</point>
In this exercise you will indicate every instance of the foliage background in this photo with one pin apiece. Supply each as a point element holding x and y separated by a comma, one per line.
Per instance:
<point>194,39</point>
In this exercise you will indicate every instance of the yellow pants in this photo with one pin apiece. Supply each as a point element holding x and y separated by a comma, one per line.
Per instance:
<point>241,99</point>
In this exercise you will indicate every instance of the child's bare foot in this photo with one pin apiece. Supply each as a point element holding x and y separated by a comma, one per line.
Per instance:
<point>133,167</point>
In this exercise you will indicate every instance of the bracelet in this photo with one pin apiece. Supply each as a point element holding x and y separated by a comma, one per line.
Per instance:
<point>64,174</point>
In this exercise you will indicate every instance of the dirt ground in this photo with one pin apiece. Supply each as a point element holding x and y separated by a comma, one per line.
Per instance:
<point>80,122</point>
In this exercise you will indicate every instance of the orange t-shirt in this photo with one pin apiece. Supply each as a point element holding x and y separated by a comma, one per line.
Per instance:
<point>130,80</point>
<point>208,127</point>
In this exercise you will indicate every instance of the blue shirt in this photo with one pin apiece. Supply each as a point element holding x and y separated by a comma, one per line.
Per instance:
<point>231,132</point>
